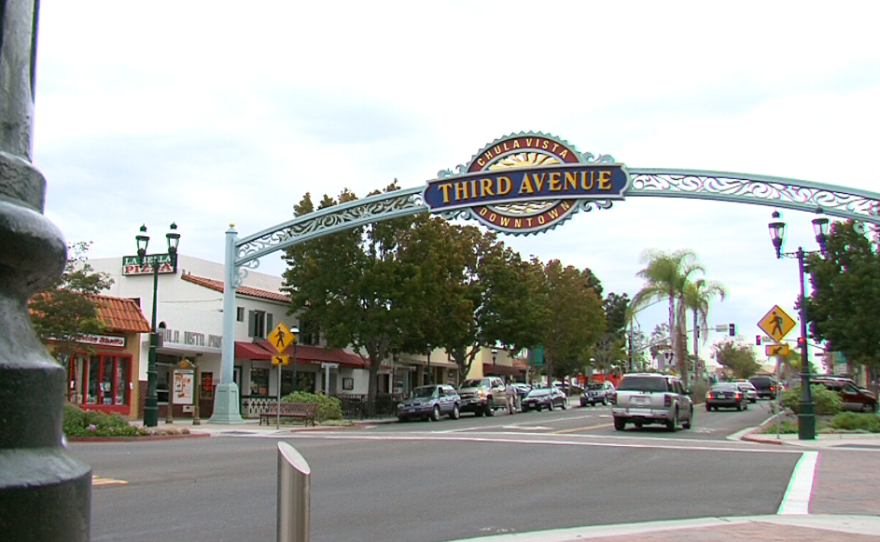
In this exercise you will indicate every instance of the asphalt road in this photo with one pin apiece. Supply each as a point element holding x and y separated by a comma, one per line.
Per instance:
<point>435,481</point>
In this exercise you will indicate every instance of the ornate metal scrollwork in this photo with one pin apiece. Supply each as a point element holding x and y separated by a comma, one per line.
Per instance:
<point>757,189</point>
<point>326,221</point>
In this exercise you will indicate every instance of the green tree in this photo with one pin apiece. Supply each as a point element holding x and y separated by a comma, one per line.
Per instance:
<point>698,295</point>
<point>666,276</point>
<point>575,320</point>
<point>63,313</point>
<point>349,285</point>
<point>739,358</point>
<point>846,294</point>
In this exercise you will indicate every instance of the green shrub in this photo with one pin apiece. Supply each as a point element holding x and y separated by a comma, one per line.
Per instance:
<point>856,421</point>
<point>90,423</point>
<point>827,402</point>
<point>329,408</point>
<point>786,427</point>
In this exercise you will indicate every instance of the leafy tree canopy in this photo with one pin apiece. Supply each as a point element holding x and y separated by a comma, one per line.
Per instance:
<point>736,356</point>
<point>62,314</point>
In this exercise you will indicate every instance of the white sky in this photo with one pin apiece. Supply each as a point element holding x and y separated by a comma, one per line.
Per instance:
<point>211,112</point>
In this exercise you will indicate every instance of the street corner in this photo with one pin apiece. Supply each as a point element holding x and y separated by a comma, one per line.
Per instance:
<point>755,435</point>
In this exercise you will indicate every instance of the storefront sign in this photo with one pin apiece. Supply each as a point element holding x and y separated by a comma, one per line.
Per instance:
<point>102,340</point>
<point>132,266</point>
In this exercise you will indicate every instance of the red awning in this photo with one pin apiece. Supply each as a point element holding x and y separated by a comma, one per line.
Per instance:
<point>245,350</point>
<point>315,355</point>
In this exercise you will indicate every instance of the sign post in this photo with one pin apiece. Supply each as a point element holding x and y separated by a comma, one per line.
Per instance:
<point>280,339</point>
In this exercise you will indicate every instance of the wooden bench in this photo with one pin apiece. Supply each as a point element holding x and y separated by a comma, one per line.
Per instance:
<point>303,411</point>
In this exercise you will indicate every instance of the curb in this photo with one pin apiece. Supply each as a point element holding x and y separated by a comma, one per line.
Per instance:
<point>135,439</point>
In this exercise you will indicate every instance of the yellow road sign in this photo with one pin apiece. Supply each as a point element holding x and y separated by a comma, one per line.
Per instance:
<point>776,323</point>
<point>280,359</point>
<point>281,337</point>
<point>777,350</point>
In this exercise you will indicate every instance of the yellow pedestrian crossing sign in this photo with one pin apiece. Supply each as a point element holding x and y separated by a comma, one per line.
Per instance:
<point>280,359</point>
<point>776,323</point>
<point>281,337</point>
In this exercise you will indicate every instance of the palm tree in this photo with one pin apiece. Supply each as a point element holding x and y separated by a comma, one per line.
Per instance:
<point>666,275</point>
<point>697,296</point>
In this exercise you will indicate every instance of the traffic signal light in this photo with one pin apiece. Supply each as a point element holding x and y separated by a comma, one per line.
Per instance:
<point>800,342</point>
<point>732,329</point>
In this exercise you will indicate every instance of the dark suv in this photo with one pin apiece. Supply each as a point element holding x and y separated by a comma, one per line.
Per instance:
<point>765,386</point>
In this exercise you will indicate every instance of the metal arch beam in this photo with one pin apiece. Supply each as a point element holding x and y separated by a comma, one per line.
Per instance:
<point>843,202</point>
<point>333,219</point>
<point>838,201</point>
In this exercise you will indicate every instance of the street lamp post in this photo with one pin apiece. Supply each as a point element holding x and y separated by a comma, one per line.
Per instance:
<point>494,357</point>
<point>151,404</point>
<point>295,332</point>
<point>807,414</point>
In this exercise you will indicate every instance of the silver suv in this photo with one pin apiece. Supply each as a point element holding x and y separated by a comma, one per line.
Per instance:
<point>646,398</point>
<point>482,395</point>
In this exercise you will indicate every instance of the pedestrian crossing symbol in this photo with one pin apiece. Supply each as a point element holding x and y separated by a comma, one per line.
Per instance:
<point>776,323</point>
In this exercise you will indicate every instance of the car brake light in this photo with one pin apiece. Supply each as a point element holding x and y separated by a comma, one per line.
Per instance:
<point>709,395</point>
<point>738,395</point>
<point>667,400</point>
<point>772,388</point>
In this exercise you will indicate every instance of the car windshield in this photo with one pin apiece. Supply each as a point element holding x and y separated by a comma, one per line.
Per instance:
<point>475,383</point>
<point>725,387</point>
<point>539,391</point>
<point>423,392</point>
<point>642,383</point>
<point>596,386</point>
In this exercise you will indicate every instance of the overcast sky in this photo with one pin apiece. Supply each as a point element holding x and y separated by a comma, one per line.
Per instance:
<point>207,113</point>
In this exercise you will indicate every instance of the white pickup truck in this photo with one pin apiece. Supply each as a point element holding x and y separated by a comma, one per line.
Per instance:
<point>646,398</point>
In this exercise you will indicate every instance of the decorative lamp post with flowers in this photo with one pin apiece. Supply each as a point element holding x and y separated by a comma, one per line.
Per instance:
<point>807,413</point>
<point>151,404</point>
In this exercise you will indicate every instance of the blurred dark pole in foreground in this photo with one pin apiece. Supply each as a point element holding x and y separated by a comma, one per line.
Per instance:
<point>45,494</point>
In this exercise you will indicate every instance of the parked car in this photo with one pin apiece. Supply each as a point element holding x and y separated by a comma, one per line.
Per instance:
<point>482,395</point>
<point>431,402</point>
<point>766,386</point>
<point>748,390</point>
<point>852,396</point>
<point>726,395</point>
<point>646,398</point>
<point>541,398</point>
<point>597,392</point>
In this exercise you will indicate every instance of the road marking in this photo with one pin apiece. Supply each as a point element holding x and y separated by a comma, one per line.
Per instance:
<point>501,438</point>
<point>800,489</point>
<point>99,481</point>
<point>576,429</point>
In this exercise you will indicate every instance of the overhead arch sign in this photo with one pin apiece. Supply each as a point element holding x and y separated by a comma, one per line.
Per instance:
<point>526,183</point>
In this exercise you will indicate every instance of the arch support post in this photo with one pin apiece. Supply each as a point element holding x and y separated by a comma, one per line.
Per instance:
<point>227,409</point>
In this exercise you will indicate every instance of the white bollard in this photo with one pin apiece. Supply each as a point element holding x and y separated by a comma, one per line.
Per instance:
<point>293,495</point>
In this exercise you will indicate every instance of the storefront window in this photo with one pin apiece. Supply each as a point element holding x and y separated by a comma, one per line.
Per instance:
<point>259,381</point>
<point>207,385</point>
<point>100,380</point>
<point>122,379</point>
<point>94,373</point>
<point>286,382</point>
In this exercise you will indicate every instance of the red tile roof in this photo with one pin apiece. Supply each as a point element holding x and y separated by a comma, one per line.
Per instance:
<point>120,314</point>
<point>217,285</point>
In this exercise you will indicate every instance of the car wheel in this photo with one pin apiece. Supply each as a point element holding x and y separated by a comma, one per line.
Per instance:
<point>564,406</point>
<point>619,424</point>
<point>672,425</point>
<point>687,424</point>
<point>435,414</point>
<point>456,412</point>
<point>552,406</point>
<point>489,410</point>
<point>708,408</point>
<point>604,401</point>
<point>739,407</point>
